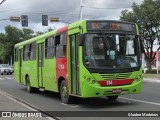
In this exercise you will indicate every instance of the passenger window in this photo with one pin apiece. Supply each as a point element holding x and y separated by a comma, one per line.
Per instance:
<point>16,54</point>
<point>26,52</point>
<point>33,51</point>
<point>60,43</point>
<point>49,47</point>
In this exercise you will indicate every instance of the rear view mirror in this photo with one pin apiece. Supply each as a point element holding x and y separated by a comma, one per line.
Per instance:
<point>80,39</point>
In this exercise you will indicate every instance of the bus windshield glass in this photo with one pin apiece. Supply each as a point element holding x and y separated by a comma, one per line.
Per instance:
<point>107,50</point>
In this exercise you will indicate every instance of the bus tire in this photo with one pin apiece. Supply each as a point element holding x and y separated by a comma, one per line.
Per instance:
<point>30,89</point>
<point>112,97</point>
<point>64,93</point>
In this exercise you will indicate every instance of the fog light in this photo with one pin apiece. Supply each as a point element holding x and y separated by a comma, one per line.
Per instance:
<point>134,90</point>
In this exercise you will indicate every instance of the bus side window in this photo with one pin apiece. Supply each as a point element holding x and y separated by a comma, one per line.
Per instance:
<point>57,40</point>
<point>16,54</point>
<point>49,47</point>
<point>26,52</point>
<point>33,51</point>
<point>60,43</point>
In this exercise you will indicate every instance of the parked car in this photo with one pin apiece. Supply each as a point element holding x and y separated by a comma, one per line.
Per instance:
<point>11,70</point>
<point>4,69</point>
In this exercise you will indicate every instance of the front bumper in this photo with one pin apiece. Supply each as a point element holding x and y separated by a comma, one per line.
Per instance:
<point>90,90</point>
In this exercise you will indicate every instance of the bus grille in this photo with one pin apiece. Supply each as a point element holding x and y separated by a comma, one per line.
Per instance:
<point>116,76</point>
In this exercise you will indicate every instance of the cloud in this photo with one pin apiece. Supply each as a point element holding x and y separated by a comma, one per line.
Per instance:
<point>67,10</point>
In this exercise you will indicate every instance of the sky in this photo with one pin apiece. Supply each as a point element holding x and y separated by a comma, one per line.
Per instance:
<point>65,10</point>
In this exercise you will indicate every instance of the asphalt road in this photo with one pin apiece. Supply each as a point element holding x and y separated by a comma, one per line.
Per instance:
<point>149,100</point>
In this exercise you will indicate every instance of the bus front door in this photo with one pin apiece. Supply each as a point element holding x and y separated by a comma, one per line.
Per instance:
<point>40,64</point>
<point>74,56</point>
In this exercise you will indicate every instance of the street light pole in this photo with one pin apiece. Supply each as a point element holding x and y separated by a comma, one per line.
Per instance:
<point>2,2</point>
<point>81,12</point>
<point>157,64</point>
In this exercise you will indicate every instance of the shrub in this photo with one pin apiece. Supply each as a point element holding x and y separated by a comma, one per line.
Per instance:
<point>151,71</point>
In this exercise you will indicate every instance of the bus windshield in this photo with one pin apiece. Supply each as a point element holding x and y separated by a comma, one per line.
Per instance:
<point>111,50</point>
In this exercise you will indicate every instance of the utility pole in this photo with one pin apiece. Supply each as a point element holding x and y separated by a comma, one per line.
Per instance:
<point>2,2</point>
<point>81,12</point>
<point>11,61</point>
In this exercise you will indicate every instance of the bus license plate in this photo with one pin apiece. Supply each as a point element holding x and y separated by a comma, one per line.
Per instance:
<point>116,90</point>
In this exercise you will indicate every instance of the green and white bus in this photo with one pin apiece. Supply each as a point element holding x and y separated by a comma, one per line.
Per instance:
<point>89,58</point>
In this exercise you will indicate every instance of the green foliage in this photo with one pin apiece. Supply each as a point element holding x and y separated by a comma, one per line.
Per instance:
<point>151,72</point>
<point>11,37</point>
<point>147,16</point>
<point>27,33</point>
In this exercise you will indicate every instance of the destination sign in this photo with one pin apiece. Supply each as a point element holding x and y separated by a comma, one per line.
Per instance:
<point>119,26</point>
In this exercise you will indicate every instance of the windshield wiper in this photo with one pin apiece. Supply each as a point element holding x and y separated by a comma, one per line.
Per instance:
<point>105,41</point>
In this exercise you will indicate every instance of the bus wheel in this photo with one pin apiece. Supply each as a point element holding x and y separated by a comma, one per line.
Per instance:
<point>64,93</point>
<point>29,88</point>
<point>112,97</point>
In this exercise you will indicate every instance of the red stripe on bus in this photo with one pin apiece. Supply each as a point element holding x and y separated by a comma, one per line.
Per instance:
<point>115,82</point>
<point>63,29</point>
<point>61,63</point>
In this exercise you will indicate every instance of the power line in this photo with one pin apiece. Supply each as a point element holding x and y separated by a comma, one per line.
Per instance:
<point>106,7</point>
<point>22,10</point>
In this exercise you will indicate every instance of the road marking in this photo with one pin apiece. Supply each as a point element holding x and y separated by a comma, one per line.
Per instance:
<point>70,105</point>
<point>123,101</point>
<point>2,79</point>
<point>74,106</point>
<point>64,104</point>
<point>152,103</point>
<point>8,78</point>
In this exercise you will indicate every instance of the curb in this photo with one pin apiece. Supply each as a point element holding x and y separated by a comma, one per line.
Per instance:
<point>157,80</point>
<point>27,105</point>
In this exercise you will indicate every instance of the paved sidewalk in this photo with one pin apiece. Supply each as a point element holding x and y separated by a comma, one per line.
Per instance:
<point>157,80</point>
<point>9,104</point>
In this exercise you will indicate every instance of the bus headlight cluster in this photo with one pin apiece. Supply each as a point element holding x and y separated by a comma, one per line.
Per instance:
<point>88,79</point>
<point>93,81</point>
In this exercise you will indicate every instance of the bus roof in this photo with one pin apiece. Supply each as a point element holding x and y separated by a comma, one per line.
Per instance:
<point>73,25</point>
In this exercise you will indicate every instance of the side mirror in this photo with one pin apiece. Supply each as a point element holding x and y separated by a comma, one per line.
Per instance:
<point>80,39</point>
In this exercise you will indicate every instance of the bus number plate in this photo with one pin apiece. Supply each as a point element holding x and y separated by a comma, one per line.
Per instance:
<point>116,90</point>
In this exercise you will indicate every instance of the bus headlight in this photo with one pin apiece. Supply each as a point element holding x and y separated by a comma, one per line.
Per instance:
<point>88,79</point>
<point>84,77</point>
<point>93,81</point>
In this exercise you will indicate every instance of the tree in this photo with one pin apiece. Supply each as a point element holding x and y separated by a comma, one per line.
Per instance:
<point>27,33</point>
<point>147,16</point>
<point>11,37</point>
<point>2,45</point>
